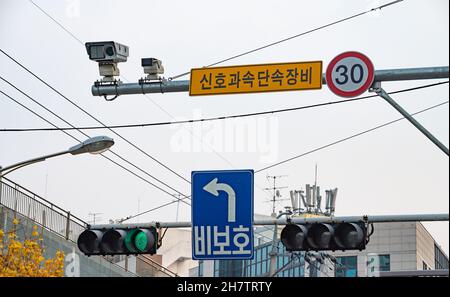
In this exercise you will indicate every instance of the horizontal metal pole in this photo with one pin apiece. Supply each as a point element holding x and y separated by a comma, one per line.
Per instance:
<point>183,85</point>
<point>296,220</point>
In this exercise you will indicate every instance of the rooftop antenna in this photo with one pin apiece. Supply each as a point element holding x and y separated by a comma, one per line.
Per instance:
<point>303,199</point>
<point>315,177</point>
<point>295,201</point>
<point>333,201</point>
<point>275,191</point>
<point>318,200</point>
<point>308,198</point>
<point>330,202</point>
<point>94,216</point>
<point>316,194</point>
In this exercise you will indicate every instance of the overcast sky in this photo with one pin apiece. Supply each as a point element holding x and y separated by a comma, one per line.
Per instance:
<point>393,170</point>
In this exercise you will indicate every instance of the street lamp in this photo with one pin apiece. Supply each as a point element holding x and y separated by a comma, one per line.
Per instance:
<point>94,145</point>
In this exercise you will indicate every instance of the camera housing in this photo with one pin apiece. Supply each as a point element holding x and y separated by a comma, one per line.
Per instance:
<point>152,67</point>
<point>107,51</point>
<point>107,54</point>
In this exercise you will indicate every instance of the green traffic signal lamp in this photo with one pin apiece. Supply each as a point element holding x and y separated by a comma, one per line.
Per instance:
<point>118,241</point>
<point>139,241</point>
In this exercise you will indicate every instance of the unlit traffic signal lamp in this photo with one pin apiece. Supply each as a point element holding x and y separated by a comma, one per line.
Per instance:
<point>115,241</point>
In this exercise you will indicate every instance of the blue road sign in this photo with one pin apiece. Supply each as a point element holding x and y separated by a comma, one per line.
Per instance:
<point>222,214</point>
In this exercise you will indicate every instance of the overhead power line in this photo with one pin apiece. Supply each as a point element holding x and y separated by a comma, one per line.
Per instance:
<point>147,211</point>
<point>291,37</point>
<point>141,125</point>
<point>94,118</point>
<point>56,22</point>
<point>311,151</point>
<point>65,132</point>
<point>306,153</point>
<point>59,24</point>
<point>348,138</point>
<point>319,148</point>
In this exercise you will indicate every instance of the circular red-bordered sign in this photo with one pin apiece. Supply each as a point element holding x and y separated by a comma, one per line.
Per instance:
<point>350,74</point>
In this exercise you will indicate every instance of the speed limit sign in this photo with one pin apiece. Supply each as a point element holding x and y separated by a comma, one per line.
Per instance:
<point>350,74</point>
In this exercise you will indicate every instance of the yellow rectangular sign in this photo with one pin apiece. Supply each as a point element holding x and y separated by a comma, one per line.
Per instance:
<point>256,78</point>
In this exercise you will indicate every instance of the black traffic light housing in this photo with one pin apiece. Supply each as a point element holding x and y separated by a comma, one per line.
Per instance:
<point>116,241</point>
<point>325,236</point>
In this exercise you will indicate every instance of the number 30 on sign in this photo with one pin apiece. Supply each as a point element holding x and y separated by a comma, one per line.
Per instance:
<point>350,74</point>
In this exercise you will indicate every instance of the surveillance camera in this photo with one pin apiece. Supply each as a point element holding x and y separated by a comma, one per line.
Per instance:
<point>152,67</point>
<point>107,54</point>
<point>107,51</point>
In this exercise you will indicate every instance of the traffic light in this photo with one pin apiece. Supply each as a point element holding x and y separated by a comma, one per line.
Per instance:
<point>324,236</point>
<point>113,241</point>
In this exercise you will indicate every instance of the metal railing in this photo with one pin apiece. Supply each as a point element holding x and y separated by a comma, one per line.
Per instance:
<point>40,210</point>
<point>157,266</point>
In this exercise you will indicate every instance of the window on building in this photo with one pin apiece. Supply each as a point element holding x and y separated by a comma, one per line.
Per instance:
<point>424,265</point>
<point>313,271</point>
<point>385,262</point>
<point>440,259</point>
<point>346,266</point>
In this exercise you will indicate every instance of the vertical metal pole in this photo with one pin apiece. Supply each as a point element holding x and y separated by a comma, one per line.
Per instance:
<point>273,253</point>
<point>43,220</point>
<point>68,226</point>
<point>413,121</point>
<point>1,185</point>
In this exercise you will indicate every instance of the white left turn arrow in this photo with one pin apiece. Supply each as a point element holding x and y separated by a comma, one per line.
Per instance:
<point>213,187</point>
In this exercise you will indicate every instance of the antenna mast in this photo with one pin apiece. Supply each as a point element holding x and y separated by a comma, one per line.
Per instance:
<point>275,191</point>
<point>94,215</point>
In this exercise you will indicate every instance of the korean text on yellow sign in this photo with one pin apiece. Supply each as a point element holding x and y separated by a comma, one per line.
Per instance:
<point>256,78</point>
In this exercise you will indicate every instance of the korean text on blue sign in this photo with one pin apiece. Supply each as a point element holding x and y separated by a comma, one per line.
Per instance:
<point>222,214</point>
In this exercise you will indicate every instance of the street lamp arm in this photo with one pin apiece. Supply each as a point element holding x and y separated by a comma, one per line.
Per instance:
<point>93,145</point>
<point>8,169</point>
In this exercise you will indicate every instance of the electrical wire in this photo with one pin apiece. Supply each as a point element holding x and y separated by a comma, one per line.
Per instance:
<point>73,137</point>
<point>317,149</point>
<point>291,37</point>
<point>141,125</point>
<point>145,95</point>
<point>150,210</point>
<point>86,135</point>
<point>348,138</point>
<point>91,116</point>
<point>233,57</point>
<point>58,23</point>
